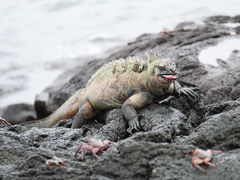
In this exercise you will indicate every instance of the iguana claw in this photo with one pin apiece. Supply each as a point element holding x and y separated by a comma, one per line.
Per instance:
<point>189,92</point>
<point>5,122</point>
<point>134,125</point>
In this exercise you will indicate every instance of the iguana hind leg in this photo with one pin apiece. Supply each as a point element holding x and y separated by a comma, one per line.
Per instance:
<point>137,101</point>
<point>85,112</point>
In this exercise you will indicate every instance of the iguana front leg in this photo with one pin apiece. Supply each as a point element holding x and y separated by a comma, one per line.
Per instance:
<point>85,112</point>
<point>176,88</point>
<point>129,107</point>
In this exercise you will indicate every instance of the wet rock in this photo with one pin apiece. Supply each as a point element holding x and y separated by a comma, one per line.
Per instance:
<point>19,113</point>
<point>148,160</point>
<point>237,29</point>
<point>161,124</point>
<point>221,128</point>
<point>27,153</point>
<point>40,104</point>
<point>227,85</point>
<point>170,129</point>
<point>235,19</point>
<point>114,128</point>
<point>218,19</point>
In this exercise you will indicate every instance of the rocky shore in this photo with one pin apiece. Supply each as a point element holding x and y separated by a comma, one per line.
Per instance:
<point>171,130</point>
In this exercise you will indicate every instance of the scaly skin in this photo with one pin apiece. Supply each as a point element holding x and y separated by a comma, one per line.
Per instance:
<point>128,83</point>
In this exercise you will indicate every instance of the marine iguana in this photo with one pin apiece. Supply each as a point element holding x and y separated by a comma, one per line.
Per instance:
<point>130,83</point>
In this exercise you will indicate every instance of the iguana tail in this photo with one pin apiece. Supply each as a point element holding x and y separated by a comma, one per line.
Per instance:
<point>67,110</point>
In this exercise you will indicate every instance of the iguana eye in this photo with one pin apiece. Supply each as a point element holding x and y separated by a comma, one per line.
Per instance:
<point>162,69</point>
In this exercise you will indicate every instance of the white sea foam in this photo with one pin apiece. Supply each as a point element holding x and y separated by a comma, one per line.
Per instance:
<point>221,51</point>
<point>232,25</point>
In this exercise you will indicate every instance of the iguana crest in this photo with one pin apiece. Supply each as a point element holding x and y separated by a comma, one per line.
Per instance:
<point>153,56</point>
<point>130,64</point>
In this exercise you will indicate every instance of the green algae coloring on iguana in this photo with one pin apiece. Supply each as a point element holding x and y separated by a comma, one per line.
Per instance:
<point>130,83</point>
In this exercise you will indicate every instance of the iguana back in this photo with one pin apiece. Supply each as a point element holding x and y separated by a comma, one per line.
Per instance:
<point>117,67</point>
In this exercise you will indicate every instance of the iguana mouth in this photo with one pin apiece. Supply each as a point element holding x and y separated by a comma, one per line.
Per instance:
<point>169,76</point>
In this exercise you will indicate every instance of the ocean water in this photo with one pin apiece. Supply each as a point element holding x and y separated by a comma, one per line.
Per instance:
<point>37,34</point>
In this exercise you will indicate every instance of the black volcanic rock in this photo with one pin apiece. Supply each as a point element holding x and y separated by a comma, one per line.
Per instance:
<point>170,130</point>
<point>19,113</point>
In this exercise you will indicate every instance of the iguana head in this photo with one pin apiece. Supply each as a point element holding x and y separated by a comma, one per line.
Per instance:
<point>165,69</point>
<point>159,67</point>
